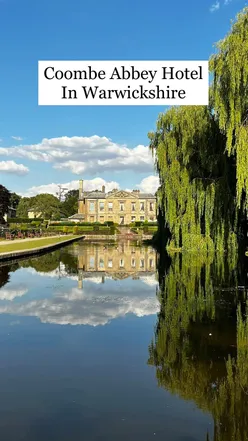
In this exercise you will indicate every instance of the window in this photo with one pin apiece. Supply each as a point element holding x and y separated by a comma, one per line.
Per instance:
<point>142,218</point>
<point>142,206</point>
<point>101,206</point>
<point>133,263</point>
<point>133,206</point>
<point>133,218</point>
<point>110,206</point>
<point>121,206</point>
<point>91,218</point>
<point>151,206</point>
<point>151,219</point>
<point>110,263</point>
<point>92,262</point>
<point>101,263</point>
<point>142,263</point>
<point>102,219</point>
<point>121,263</point>
<point>92,206</point>
<point>151,263</point>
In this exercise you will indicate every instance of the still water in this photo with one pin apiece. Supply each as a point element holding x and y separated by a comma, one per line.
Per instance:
<point>113,342</point>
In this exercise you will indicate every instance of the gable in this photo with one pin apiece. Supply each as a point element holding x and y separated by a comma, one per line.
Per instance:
<point>121,194</point>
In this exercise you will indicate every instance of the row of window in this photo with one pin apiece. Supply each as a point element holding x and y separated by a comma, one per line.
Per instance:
<point>121,263</point>
<point>122,219</point>
<point>121,206</point>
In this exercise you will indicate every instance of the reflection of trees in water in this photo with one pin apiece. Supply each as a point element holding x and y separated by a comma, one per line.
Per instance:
<point>51,261</point>
<point>200,348</point>
<point>5,273</point>
<point>44,264</point>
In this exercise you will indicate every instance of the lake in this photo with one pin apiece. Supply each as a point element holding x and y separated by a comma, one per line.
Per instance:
<point>114,342</point>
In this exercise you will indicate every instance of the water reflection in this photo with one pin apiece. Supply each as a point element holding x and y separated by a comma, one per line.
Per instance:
<point>200,346</point>
<point>100,283</point>
<point>92,381</point>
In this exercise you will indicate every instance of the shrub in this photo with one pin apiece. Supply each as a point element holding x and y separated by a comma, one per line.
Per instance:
<point>75,230</point>
<point>20,220</point>
<point>109,223</point>
<point>65,230</point>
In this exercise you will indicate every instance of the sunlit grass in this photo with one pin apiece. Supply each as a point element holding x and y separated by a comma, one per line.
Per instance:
<point>29,244</point>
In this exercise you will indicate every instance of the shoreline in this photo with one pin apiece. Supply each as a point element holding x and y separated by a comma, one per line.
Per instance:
<point>11,255</point>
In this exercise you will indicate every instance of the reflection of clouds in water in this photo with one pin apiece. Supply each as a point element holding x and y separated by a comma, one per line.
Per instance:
<point>76,308</point>
<point>58,272</point>
<point>11,291</point>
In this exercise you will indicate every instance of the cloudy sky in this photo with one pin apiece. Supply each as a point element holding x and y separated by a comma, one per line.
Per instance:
<point>59,300</point>
<point>41,147</point>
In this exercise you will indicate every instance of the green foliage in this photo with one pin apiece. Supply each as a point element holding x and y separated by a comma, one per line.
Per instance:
<point>14,200</point>
<point>70,205</point>
<point>20,220</point>
<point>201,156</point>
<point>230,96</point>
<point>46,204</point>
<point>75,230</point>
<point>4,202</point>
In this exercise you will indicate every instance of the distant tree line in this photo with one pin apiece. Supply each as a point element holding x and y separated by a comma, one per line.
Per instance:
<point>47,205</point>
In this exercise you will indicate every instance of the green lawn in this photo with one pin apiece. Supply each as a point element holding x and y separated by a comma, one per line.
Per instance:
<point>29,244</point>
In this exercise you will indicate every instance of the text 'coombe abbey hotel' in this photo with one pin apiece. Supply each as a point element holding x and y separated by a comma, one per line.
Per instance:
<point>118,206</point>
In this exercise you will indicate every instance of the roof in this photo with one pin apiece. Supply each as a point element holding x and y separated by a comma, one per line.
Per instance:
<point>94,195</point>
<point>102,195</point>
<point>77,216</point>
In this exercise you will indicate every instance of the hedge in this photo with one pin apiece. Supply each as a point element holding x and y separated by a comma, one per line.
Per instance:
<point>23,220</point>
<point>86,229</point>
<point>75,224</point>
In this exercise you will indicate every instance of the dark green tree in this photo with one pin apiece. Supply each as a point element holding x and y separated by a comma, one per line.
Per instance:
<point>14,200</point>
<point>4,202</point>
<point>70,205</point>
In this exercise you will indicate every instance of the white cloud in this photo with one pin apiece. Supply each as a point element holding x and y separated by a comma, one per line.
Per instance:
<point>13,167</point>
<point>149,184</point>
<point>17,138</point>
<point>215,6</point>
<point>226,2</point>
<point>81,154</point>
<point>93,184</point>
<point>11,292</point>
<point>93,307</point>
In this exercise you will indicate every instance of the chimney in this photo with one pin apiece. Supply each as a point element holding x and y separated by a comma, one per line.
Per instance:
<point>103,188</point>
<point>81,186</point>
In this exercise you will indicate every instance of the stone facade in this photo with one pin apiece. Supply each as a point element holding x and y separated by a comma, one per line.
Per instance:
<point>119,206</point>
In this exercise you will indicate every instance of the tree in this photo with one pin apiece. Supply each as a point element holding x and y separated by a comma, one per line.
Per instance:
<point>70,205</point>
<point>4,202</point>
<point>46,204</point>
<point>23,207</point>
<point>14,200</point>
<point>201,152</point>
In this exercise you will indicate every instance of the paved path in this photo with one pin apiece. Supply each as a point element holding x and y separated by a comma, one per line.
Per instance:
<point>28,239</point>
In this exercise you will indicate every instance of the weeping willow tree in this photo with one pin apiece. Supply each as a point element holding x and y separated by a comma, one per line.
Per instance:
<point>201,156</point>
<point>200,347</point>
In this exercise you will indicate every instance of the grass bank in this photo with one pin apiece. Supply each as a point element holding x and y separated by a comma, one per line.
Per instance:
<point>27,244</point>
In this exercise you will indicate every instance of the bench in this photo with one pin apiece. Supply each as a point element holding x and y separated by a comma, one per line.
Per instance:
<point>9,236</point>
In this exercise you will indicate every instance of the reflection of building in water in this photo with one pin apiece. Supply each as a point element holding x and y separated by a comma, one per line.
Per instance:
<point>119,261</point>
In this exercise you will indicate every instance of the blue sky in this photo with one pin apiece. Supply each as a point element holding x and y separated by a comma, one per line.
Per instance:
<point>76,29</point>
